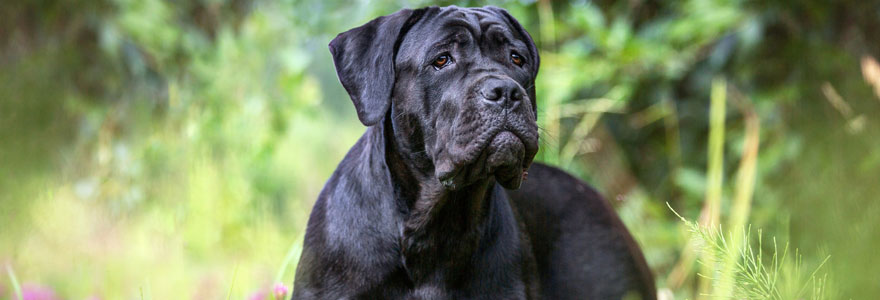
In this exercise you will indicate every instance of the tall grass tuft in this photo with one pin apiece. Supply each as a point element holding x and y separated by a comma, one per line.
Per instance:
<point>780,276</point>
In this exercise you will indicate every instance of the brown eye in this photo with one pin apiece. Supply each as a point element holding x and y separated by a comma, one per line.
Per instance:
<point>441,61</point>
<point>516,59</point>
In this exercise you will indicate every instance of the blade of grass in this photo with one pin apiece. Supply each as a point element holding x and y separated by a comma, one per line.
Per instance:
<point>14,280</point>
<point>295,248</point>
<point>715,169</point>
<point>742,201</point>
<point>232,284</point>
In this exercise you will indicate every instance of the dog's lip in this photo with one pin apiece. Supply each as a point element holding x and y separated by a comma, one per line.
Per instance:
<point>518,135</point>
<point>521,135</point>
<point>447,178</point>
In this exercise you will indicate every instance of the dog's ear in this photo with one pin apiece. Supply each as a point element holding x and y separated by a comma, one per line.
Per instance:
<point>364,59</point>
<point>530,43</point>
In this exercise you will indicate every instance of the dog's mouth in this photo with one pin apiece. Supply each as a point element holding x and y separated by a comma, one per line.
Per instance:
<point>505,156</point>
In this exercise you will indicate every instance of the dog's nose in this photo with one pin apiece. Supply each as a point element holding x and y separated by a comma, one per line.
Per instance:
<point>505,93</point>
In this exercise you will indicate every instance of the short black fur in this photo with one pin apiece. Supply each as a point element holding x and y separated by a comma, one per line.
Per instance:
<point>432,201</point>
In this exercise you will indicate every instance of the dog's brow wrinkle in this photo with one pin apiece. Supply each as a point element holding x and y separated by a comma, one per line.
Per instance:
<point>443,13</point>
<point>482,13</point>
<point>500,35</point>
<point>480,16</point>
<point>459,23</point>
<point>485,26</point>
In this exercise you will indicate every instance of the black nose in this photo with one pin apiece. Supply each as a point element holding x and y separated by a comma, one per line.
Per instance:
<point>503,92</point>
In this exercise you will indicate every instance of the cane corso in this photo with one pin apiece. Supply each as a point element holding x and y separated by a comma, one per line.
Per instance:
<point>433,201</point>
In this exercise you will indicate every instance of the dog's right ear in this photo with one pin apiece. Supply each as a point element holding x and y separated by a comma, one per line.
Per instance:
<point>364,59</point>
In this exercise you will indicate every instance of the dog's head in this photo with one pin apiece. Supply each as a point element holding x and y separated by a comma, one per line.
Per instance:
<point>457,84</point>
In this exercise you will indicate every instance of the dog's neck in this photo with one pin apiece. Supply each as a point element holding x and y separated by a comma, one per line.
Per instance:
<point>442,229</point>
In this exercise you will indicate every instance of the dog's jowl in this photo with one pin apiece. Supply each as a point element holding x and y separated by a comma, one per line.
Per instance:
<point>433,201</point>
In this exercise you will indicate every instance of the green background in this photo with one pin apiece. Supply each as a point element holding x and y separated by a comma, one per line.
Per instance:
<point>172,150</point>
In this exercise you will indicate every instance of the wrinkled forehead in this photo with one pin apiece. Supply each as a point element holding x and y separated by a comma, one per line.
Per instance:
<point>452,25</point>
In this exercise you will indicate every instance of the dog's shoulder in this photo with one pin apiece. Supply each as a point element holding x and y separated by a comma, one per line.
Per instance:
<point>580,244</point>
<point>351,238</point>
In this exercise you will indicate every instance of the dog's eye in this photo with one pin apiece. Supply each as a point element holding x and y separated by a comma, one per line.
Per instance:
<point>441,61</point>
<point>517,59</point>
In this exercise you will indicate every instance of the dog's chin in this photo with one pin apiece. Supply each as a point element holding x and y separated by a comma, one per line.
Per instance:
<point>503,157</point>
<point>506,153</point>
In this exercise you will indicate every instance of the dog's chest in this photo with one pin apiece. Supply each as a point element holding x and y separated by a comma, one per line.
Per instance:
<point>447,258</point>
<point>430,291</point>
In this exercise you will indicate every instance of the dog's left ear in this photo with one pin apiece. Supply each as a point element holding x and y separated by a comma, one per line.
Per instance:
<point>364,59</point>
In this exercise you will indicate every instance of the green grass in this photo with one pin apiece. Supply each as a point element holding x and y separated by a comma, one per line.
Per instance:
<point>780,276</point>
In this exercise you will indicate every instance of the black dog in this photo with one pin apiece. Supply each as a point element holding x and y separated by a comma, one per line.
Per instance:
<point>428,203</point>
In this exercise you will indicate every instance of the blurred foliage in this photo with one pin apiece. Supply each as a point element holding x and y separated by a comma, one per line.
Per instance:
<point>154,147</point>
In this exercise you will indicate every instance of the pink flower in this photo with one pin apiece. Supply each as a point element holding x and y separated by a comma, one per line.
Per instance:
<point>30,291</point>
<point>280,291</point>
<point>259,295</point>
